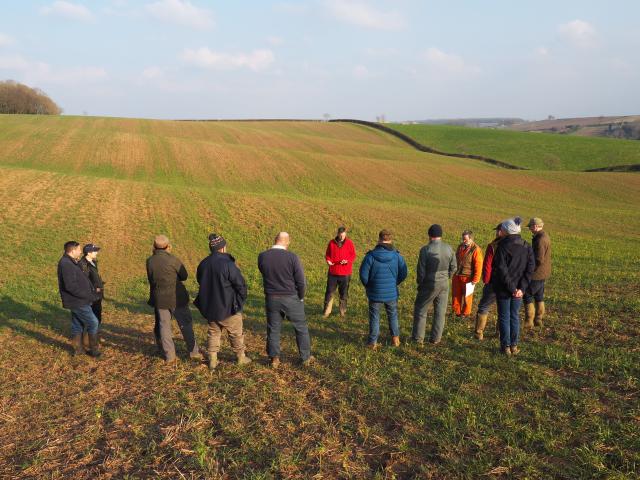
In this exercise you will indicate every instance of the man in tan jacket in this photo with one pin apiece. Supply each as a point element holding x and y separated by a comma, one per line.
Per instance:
<point>541,243</point>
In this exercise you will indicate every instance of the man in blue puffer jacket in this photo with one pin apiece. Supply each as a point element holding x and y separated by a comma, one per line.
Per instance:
<point>382,270</point>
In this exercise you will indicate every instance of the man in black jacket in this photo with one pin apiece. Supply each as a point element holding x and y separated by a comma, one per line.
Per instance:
<point>284,289</point>
<point>77,295</point>
<point>221,296</point>
<point>511,270</point>
<point>169,298</point>
<point>89,265</point>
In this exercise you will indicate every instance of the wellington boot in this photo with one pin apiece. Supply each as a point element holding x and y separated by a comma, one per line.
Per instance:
<point>213,360</point>
<point>243,359</point>
<point>327,309</point>
<point>529,314</point>
<point>343,308</point>
<point>395,341</point>
<point>76,343</point>
<point>481,323</point>
<point>94,349</point>
<point>85,341</point>
<point>540,310</point>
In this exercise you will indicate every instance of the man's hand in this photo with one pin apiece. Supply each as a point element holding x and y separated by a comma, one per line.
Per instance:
<point>343,262</point>
<point>518,293</point>
<point>330,263</point>
<point>98,290</point>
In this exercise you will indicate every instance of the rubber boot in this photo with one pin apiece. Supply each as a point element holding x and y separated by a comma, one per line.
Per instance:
<point>481,323</point>
<point>395,341</point>
<point>243,359</point>
<point>85,341</point>
<point>213,360</point>
<point>529,314</point>
<point>328,306</point>
<point>343,308</point>
<point>94,349</point>
<point>539,314</point>
<point>76,343</point>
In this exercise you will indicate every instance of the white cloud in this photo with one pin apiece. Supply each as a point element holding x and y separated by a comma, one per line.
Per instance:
<point>448,62</point>
<point>360,71</point>
<point>73,11</point>
<point>5,40</point>
<point>381,52</point>
<point>40,72</point>
<point>579,33</point>
<point>541,52</point>
<point>275,41</point>
<point>357,12</point>
<point>182,12</point>
<point>203,57</point>
<point>151,73</point>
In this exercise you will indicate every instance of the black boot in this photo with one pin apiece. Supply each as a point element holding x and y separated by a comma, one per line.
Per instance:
<point>94,350</point>
<point>76,343</point>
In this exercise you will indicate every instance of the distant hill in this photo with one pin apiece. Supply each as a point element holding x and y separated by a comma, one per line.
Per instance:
<point>470,122</point>
<point>627,127</point>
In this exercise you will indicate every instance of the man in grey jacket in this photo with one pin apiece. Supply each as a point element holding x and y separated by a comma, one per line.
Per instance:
<point>436,265</point>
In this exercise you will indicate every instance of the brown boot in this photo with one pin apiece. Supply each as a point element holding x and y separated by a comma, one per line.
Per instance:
<point>481,323</point>
<point>94,349</point>
<point>540,310</point>
<point>212,363</point>
<point>395,341</point>
<point>76,343</point>
<point>529,314</point>
<point>343,308</point>
<point>372,346</point>
<point>275,362</point>
<point>85,341</point>
<point>243,359</point>
<point>327,308</point>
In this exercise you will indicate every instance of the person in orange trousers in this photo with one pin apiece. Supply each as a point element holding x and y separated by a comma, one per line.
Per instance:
<point>469,257</point>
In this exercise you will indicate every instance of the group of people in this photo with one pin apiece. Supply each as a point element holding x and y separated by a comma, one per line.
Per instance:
<point>511,270</point>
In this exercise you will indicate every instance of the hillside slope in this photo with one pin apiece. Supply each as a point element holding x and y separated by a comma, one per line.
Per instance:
<point>457,411</point>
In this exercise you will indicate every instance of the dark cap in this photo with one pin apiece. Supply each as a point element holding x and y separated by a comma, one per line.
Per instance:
<point>342,229</point>
<point>435,231</point>
<point>216,242</point>
<point>90,247</point>
<point>498,227</point>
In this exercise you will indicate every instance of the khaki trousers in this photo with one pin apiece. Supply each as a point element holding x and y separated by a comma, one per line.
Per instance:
<point>233,326</point>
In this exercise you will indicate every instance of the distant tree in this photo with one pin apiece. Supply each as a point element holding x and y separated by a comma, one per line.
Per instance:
<point>18,98</point>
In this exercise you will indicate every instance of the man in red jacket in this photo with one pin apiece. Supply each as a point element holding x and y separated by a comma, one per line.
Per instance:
<point>340,256</point>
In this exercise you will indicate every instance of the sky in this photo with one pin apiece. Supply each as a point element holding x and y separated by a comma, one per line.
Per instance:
<point>404,59</point>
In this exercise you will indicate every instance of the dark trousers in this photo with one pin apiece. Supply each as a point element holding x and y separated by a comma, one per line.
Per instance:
<point>339,282</point>
<point>163,332</point>
<point>535,291</point>
<point>488,298</point>
<point>97,310</point>
<point>291,307</point>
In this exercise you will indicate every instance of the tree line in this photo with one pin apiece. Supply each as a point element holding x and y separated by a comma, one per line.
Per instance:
<point>18,98</point>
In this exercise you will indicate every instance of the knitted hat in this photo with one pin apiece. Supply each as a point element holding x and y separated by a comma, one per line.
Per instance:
<point>435,231</point>
<point>511,226</point>
<point>216,242</point>
<point>160,242</point>
<point>535,221</point>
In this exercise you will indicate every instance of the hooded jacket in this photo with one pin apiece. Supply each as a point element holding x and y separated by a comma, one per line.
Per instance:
<point>512,266</point>
<point>223,289</point>
<point>381,271</point>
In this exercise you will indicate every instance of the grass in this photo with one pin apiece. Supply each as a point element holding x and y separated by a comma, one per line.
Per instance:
<point>536,151</point>
<point>567,407</point>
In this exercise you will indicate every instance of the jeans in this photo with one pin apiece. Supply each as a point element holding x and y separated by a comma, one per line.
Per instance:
<point>436,294</point>
<point>488,299</point>
<point>374,319</point>
<point>292,308</point>
<point>164,335</point>
<point>535,291</point>
<point>83,318</point>
<point>509,320</point>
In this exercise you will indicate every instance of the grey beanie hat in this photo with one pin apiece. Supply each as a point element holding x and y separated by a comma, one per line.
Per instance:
<point>511,226</point>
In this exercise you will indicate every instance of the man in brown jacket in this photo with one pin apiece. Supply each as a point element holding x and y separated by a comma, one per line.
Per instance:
<point>541,244</point>
<point>169,298</point>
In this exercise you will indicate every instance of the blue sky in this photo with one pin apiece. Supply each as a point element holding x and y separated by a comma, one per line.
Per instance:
<point>407,59</point>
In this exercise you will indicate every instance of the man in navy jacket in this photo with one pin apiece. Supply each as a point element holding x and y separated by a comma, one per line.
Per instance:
<point>220,299</point>
<point>381,271</point>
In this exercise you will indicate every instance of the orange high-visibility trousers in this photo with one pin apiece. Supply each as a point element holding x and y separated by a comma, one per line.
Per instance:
<point>460,304</point>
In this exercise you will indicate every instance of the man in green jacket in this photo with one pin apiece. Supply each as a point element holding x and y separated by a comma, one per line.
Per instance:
<point>169,298</point>
<point>541,243</point>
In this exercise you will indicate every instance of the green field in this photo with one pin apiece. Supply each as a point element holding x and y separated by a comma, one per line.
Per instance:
<point>566,407</point>
<point>536,151</point>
